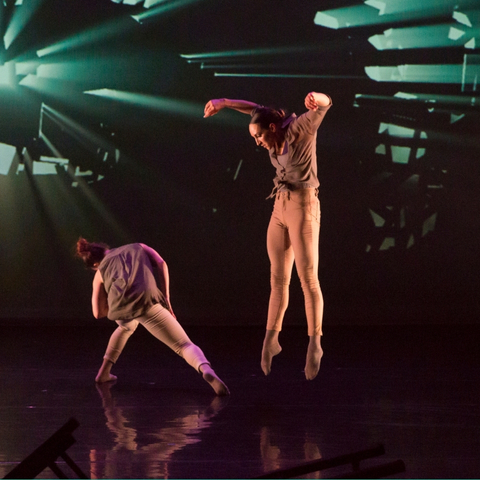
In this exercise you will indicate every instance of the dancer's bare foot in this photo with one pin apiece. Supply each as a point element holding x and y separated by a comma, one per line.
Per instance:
<point>214,380</point>
<point>105,378</point>
<point>271,347</point>
<point>314,357</point>
<point>104,374</point>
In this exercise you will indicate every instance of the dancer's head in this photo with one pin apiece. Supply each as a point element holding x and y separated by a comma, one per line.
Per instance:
<point>90,252</point>
<point>266,126</point>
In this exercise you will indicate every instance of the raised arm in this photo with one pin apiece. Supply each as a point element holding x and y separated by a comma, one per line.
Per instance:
<point>99,297</point>
<point>313,100</point>
<point>214,106</point>
<point>163,276</point>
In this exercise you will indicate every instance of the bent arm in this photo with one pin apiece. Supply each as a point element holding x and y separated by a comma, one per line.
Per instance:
<point>313,100</point>
<point>163,276</point>
<point>214,106</point>
<point>99,297</point>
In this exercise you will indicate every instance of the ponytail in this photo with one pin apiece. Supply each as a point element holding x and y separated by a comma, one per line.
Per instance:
<point>91,253</point>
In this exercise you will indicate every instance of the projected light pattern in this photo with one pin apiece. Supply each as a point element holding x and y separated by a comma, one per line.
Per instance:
<point>408,185</point>
<point>146,3</point>
<point>161,7</point>
<point>77,151</point>
<point>21,17</point>
<point>265,62</point>
<point>63,135</point>
<point>89,37</point>
<point>429,36</point>
<point>8,156</point>
<point>377,12</point>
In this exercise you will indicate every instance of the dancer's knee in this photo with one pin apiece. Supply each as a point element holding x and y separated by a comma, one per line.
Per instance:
<point>181,347</point>
<point>279,281</point>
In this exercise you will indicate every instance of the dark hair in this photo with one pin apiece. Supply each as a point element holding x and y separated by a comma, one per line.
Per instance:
<point>265,116</point>
<point>90,252</point>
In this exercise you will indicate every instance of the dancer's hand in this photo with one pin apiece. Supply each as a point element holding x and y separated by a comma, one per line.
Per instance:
<point>310,101</point>
<point>213,107</point>
<point>314,100</point>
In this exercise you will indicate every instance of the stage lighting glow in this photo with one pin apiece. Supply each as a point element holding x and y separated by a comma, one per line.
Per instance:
<point>462,18</point>
<point>151,102</point>
<point>398,131</point>
<point>431,36</point>
<point>89,37</point>
<point>7,155</point>
<point>346,17</point>
<point>208,56</point>
<point>25,68</point>
<point>162,104</point>
<point>7,75</point>
<point>284,75</point>
<point>418,73</point>
<point>400,154</point>
<point>84,137</point>
<point>47,165</point>
<point>19,20</point>
<point>388,242</point>
<point>66,91</point>
<point>374,12</point>
<point>161,9</point>
<point>435,100</point>
<point>378,220</point>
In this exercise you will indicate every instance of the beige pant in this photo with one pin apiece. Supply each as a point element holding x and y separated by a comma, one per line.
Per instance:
<point>163,326</point>
<point>293,237</point>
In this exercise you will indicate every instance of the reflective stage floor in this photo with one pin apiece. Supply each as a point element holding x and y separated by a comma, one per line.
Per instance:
<point>413,389</point>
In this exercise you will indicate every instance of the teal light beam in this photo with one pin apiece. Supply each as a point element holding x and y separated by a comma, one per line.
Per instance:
<point>55,88</point>
<point>434,100</point>
<point>376,12</point>
<point>150,101</point>
<point>85,137</point>
<point>2,22</point>
<point>215,56</point>
<point>431,36</point>
<point>71,125</point>
<point>19,20</point>
<point>162,9</point>
<point>162,104</point>
<point>421,73</point>
<point>288,75</point>
<point>87,69</point>
<point>7,75</point>
<point>89,37</point>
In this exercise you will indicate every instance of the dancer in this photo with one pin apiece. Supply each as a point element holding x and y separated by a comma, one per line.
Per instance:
<point>131,286</point>
<point>294,228</point>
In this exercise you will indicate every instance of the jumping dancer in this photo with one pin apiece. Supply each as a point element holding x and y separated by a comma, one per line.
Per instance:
<point>294,228</point>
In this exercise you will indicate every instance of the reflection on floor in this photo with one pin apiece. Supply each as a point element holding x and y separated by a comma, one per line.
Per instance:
<point>413,389</point>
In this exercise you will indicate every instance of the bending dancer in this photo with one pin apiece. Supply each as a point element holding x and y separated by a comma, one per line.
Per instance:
<point>294,228</point>
<point>131,286</point>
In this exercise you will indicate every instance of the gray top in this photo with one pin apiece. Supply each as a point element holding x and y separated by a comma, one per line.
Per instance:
<point>130,283</point>
<point>297,167</point>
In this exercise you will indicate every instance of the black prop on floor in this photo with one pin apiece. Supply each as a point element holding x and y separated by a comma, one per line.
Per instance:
<point>47,454</point>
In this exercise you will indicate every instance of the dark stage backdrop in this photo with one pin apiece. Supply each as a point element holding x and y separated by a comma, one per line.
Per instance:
<point>102,136</point>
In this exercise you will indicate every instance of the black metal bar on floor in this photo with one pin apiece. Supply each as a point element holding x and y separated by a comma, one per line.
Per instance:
<point>322,464</point>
